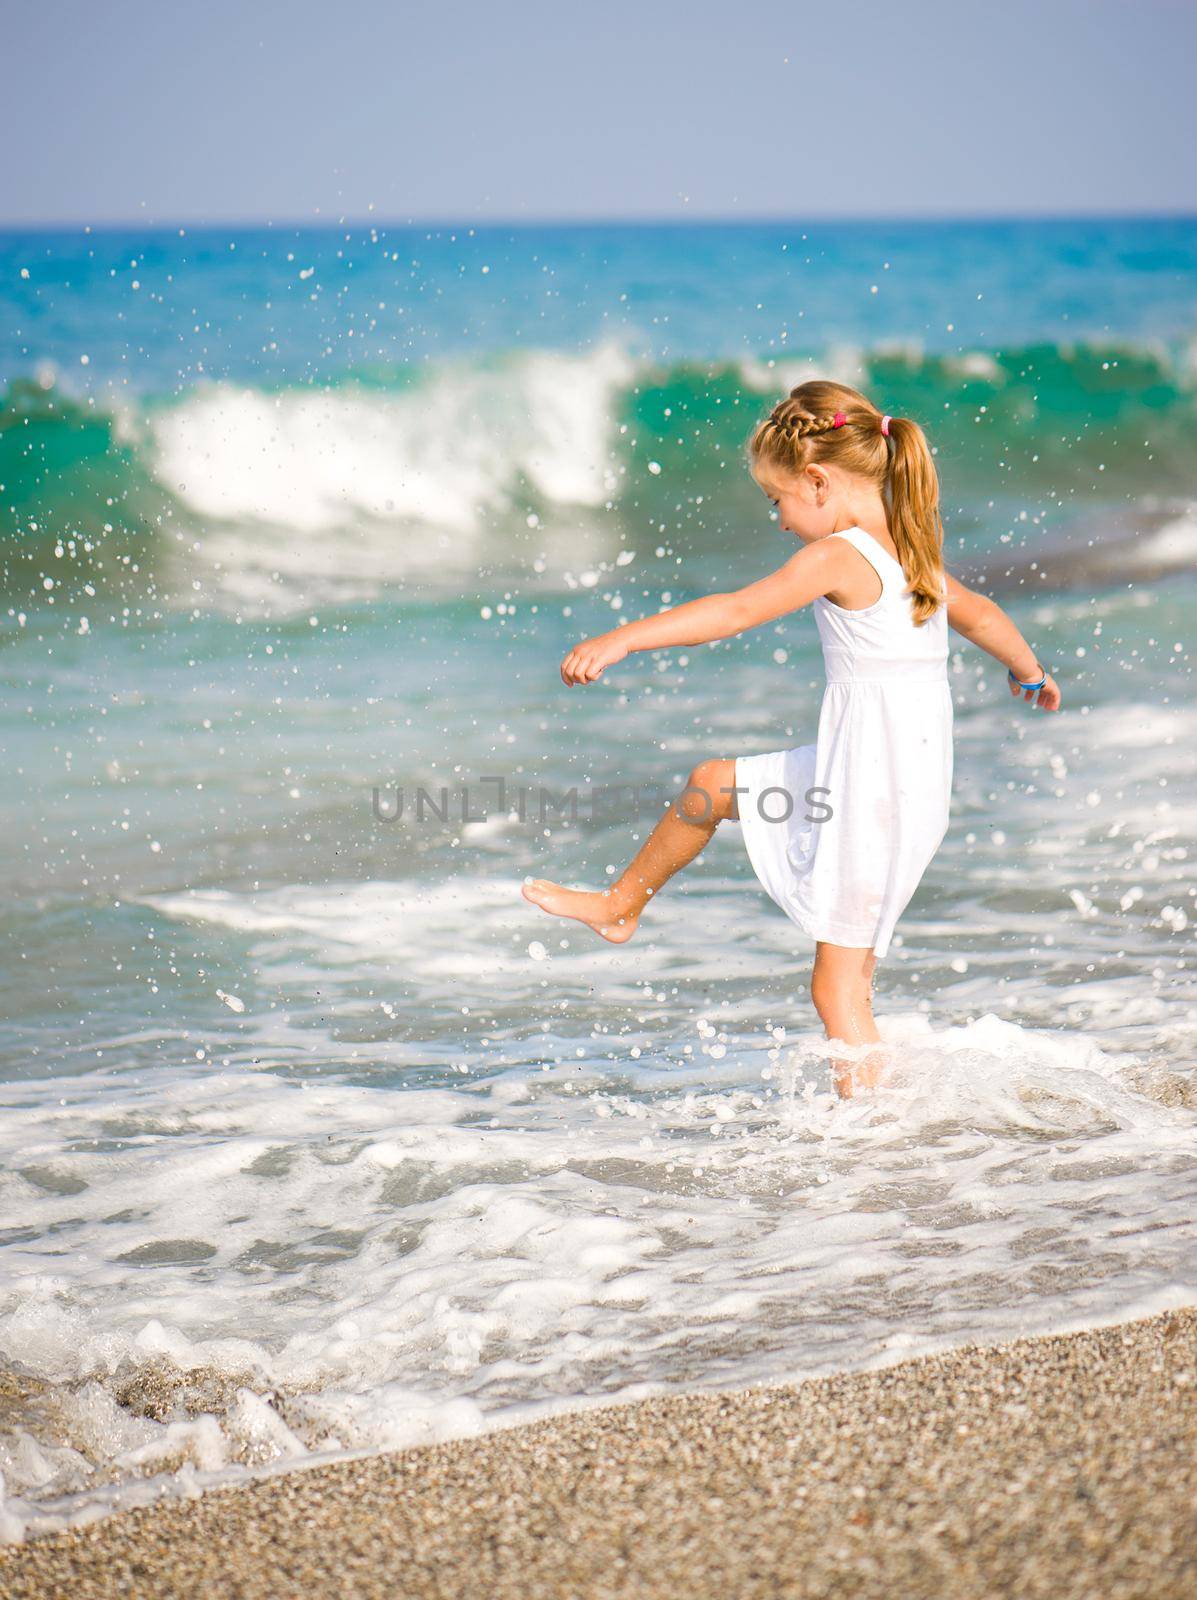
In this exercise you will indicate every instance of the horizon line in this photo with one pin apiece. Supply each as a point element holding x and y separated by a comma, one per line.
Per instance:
<point>776,219</point>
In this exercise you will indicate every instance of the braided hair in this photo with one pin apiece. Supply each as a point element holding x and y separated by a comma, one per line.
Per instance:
<point>829,422</point>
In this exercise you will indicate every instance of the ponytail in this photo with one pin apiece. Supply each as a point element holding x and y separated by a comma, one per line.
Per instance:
<point>914,519</point>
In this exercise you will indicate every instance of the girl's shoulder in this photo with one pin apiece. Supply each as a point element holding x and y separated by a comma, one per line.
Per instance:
<point>869,545</point>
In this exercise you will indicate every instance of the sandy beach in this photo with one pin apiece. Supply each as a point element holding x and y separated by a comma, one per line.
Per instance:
<point>1054,1466</point>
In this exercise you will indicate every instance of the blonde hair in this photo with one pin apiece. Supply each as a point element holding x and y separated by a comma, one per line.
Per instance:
<point>801,429</point>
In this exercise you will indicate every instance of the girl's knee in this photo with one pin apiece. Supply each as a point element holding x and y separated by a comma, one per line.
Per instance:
<point>708,795</point>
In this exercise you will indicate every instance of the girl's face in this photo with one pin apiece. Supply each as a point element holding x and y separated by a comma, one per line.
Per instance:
<point>802,502</point>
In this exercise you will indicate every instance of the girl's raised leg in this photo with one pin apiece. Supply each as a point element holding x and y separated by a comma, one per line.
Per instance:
<point>841,987</point>
<point>686,827</point>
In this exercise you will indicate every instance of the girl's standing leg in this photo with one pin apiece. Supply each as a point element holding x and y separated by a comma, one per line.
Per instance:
<point>689,823</point>
<point>841,987</point>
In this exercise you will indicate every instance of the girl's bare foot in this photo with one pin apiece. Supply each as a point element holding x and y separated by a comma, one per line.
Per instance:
<point>874,1072</point>
<point>595,910</point>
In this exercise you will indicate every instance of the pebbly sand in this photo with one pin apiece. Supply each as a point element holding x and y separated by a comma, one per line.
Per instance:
<point>1061,1466</point>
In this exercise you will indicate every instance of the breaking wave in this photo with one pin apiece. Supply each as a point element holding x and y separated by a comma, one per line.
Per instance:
<point>228,493</point>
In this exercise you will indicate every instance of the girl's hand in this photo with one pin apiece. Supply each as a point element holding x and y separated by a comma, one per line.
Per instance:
<point>1047,698</point>
<point>586,661</point>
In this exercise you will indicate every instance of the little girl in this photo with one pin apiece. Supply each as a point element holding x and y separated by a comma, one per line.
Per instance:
<point>839,832</point>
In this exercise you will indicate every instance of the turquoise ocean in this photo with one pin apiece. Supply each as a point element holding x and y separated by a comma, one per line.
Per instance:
<point>316,1139</point>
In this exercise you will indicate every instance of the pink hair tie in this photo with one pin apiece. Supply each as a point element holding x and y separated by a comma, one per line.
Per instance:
<point>885,422</point>
<point>838,420</point>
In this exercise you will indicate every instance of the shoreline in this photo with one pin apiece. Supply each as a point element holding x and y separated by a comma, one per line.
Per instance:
<point>1052,1465</point>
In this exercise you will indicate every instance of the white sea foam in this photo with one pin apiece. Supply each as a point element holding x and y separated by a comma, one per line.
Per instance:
<point>842,361</point>
<point>327,494</point>
<point>974,364</point>
<point>1174,543</point>
<point>463,929</point>
<point>248,1270</point>
<point>442,453</point>
<point>455,930</point>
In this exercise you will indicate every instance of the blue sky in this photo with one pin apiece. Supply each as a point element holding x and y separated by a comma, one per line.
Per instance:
<point>128,111</point>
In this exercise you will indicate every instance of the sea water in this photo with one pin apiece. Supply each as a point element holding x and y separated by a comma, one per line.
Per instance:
<point>317,1139</point>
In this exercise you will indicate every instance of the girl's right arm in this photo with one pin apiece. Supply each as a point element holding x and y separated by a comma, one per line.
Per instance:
<point>813,571</point>
<point>985,624</point>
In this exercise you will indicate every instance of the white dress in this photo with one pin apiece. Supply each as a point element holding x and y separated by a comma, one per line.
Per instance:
<point>840,832</point>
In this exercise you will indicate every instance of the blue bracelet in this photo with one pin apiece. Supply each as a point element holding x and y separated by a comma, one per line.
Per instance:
<point>1022,685</point>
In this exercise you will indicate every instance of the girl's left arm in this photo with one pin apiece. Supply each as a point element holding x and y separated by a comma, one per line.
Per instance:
<point>985,624</point>
<point>814,570</point>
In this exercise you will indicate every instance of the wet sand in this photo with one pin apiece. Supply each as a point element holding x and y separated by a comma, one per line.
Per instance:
<point>1061,1466</point>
